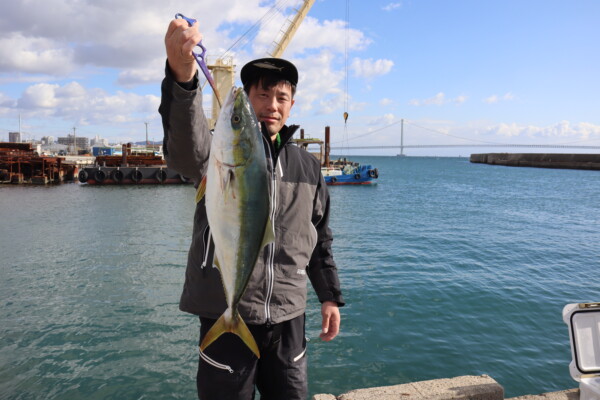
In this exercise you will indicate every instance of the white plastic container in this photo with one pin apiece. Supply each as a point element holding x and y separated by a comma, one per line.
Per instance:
<point>583,320</point>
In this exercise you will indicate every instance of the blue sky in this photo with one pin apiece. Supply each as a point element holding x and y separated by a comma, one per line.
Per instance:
<point>457,72</point>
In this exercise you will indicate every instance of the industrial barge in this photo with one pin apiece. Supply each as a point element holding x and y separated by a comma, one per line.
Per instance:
<point>130,169</point>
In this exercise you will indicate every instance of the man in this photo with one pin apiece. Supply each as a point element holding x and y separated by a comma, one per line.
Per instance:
<point>274,303</point>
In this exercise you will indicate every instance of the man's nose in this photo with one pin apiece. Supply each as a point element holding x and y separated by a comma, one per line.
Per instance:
<point>272,103</point>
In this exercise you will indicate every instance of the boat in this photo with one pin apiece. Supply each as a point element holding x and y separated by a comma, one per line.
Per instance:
<point>341,171</point>
<point>130,169</point>
<point>349,173</point>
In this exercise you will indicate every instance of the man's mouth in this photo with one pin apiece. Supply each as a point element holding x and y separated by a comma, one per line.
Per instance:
<point>267,119</point>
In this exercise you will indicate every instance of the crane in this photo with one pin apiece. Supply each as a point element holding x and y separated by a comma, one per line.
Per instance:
<point>223,69</point>
<point>280,45</point>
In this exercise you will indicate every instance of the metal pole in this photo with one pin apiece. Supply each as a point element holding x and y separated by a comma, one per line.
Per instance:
<point>402,137</point>
<point>146,135</point>
<point>74,141</point>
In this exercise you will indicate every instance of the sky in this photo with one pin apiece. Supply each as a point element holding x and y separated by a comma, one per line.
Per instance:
<point>459,72</point>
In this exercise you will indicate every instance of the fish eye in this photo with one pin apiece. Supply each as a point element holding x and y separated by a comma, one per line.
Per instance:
<point>235,119</point>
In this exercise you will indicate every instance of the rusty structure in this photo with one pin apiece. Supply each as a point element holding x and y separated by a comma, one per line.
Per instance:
<point>19,163</point>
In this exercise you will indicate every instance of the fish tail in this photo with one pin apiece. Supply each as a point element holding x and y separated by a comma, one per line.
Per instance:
<point>234,324</point>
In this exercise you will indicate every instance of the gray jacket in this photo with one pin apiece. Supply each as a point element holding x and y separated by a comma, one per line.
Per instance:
<point>277,288</point>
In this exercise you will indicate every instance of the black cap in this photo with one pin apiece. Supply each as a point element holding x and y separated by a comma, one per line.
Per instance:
<point>271,66</point>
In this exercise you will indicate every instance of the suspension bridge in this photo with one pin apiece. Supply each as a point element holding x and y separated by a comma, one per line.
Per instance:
<point>439,146</point>
<point>480,144</point>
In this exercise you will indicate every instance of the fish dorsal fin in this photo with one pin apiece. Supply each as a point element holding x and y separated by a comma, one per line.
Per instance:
<point>269,235</point>
<point>201,190</point>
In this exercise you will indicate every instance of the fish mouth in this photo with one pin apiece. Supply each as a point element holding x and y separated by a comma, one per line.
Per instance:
<point>222,164</point>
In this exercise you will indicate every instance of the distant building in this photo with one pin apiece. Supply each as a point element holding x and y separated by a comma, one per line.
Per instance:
<point>48,140</point>
<point>55,149</point>
<point>80,141</point>
<point>14,137</point>
<point>99,142</point>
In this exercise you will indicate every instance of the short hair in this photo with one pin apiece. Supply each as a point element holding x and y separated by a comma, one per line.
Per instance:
<point>267,81</point>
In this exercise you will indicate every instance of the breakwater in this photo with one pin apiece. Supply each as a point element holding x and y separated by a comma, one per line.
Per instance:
<point>459,388</point>
<point>540,160</point>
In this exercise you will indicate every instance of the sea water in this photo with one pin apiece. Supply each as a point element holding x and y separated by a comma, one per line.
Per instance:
<point>448,268</point>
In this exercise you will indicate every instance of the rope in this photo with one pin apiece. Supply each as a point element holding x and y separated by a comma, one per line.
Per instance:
<point>251,32</point>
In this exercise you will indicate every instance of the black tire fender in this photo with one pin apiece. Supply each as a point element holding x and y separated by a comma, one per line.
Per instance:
<point>161,175</point>
<point>99,176</point>
<point>136,175</point>
<point>83,176</point>
<point>117,175</point>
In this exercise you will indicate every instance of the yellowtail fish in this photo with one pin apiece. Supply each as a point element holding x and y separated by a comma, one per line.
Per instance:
<point>236,189</point>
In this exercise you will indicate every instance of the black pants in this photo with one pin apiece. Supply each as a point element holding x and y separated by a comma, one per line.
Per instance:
<point>228,370</point>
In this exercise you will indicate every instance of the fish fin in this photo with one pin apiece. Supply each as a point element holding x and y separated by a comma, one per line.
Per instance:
<point>201,189</point>
<point>241,329</point>
<point>229,184</point>
<point>236,325</point>
<point>269,235</point>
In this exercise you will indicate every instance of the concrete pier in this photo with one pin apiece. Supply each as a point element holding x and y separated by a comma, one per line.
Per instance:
<point>468,387</point>
<point>540,160</point>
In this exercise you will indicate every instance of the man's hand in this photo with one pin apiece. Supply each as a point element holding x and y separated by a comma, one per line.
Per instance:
<point>330,326</point>
<point>180,40</point>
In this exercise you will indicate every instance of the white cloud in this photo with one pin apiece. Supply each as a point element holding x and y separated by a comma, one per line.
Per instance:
<point>493,99</point>
<point>369,68</point>
<point>385,119</point>
<point>34,55</point>
<point>392,6</point>
<point>560,130</point>
<point>73,102</point>
<point>324,86</point>
<point>460,99</point>
<point>508,96</point>
<point>438,100</point>
<point>106,45</point>
<point>386,102</point>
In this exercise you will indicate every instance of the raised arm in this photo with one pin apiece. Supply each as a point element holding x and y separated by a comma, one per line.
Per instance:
<point>186,132</point>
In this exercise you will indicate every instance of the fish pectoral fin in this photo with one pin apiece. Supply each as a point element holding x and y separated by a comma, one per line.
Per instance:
<point>269,235</point>
<point>229,184</point>
<point>234,324</point>
<point>201,190</point>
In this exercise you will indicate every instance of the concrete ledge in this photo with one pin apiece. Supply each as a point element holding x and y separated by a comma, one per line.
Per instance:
<point>571,394</point>
<point>460,388</point>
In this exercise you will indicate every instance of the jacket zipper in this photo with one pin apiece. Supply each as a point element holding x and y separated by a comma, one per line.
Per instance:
<point>271,246</point>
<point>206,246</point>
<point>215,364</point>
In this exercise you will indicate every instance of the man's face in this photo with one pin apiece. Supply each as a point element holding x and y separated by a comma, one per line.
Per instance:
<point>272,106</point>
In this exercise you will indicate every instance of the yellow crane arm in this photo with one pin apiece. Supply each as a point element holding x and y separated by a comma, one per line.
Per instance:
<point>288,34</point>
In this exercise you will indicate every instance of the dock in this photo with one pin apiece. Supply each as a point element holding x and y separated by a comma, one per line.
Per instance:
<point>540,160</point>
<point>20,164</point>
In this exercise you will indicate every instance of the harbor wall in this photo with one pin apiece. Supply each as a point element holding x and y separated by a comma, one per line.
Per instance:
<point>540,160</point>
<point>469,387</point>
